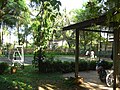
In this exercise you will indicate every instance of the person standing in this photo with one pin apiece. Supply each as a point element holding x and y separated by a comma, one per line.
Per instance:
<point>87,53</point>
<point>92,54</point>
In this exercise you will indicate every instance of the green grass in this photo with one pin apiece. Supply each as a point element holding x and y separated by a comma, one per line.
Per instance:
<point>29,55</point>
<point>30,79</point>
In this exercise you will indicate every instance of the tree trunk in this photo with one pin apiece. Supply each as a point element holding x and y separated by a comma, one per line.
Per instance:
<point>1,42</point>
<point>18,34</point>
<point>77,54</point>
<point>26,40</point>
<point>91,43</point>
<point>84,40</point>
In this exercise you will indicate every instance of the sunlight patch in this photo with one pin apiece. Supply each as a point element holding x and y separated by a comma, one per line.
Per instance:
<point>40,88</point>
<point>49,85</point>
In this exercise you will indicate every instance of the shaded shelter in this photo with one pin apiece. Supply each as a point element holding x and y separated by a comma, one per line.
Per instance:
<point>102,21</point>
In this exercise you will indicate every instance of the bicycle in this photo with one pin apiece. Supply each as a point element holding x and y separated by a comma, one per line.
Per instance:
<point>110,78</point>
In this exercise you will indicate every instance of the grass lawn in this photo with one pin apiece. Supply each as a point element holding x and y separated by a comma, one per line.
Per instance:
<point>30,79</point>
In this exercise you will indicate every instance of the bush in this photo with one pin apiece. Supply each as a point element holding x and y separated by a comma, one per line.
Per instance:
<point>6,84</point>
<point>48,66</point>
<point>57,66</point>
<point>38,57</point>
<point>107,65</point>
<point>104,54</point>
<point>83,65</point>
<point>92,65</point>
<point>3,67</point>
<point>59,52</point>
<point>66,68</point>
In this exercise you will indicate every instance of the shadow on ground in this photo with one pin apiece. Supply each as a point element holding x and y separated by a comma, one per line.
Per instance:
<point>90,81</point>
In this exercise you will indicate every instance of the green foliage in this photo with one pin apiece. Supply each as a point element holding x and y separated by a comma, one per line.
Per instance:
<point>105,54</point>
<point>3,67</point>
<point>107,65</point>
<point>92,65</point>
<point>48,66</point>
<point>39,56</point>
<point>45,18</point>
<point>11,11</point>
<point>28,79</point>
<point>57,52</point>
<point>70,82</point>
<point>63,20</point>
<point>15,13</point>
<point>110,7</point>
<point>92,9</point>
<point>21,86</point>
<point>83,65</point>
<point>5,84</point>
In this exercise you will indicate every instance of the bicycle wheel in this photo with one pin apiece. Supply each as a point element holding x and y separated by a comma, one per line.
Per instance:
<point>109,80</point>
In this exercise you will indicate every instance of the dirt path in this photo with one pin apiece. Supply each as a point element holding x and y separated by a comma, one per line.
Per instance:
<point>91,80</point>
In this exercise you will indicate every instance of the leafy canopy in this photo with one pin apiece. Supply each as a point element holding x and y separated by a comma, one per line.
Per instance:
<point>10,11</point>
<point>43,23</point>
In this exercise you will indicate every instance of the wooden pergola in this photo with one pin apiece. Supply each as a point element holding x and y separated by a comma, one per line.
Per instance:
<point>101,20</point>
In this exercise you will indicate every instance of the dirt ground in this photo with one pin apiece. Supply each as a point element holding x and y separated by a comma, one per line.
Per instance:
<point>91,80</point>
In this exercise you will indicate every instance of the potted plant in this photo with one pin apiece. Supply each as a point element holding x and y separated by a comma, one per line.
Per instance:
<point>14,68</point>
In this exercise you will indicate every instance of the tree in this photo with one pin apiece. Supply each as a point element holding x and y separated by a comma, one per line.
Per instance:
<point>12,12</point>
<point>44,19</point>
<point>90,10</point>
<point>23,23</point>
<point>43,22</point>
<point>63,20</point>
<point>111,7</point>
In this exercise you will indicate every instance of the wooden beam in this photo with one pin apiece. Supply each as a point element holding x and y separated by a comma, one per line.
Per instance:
<point>77,54</point>
<point>101,20</point>
<point>95,21</point>
<point>96,30</point>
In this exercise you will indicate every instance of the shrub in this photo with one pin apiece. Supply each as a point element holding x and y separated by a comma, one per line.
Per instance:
<point>38,57</point>
<point>83,65</point>
<point>6,84</point>
<point>108,65</point>
<point>92,65</point>
<point>72,64</point>
<point>57,66</point>
<point>3,67</point>
<point>67,67</point>
<point>48,66</point>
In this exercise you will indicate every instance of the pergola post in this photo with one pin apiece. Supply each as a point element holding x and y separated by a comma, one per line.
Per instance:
<point>115,57</point>
<point>77,54</point>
